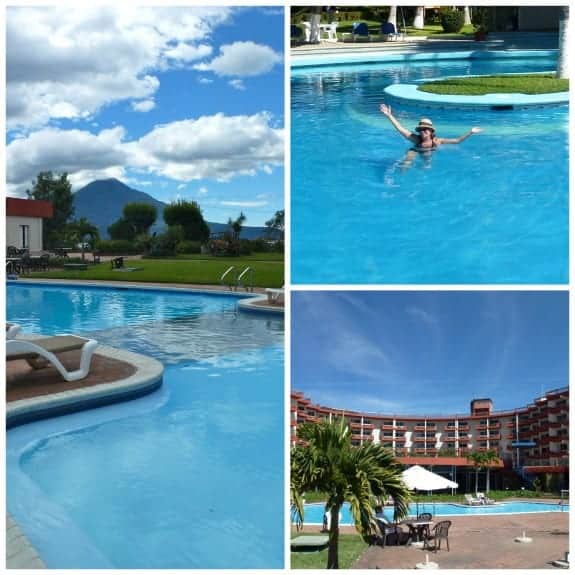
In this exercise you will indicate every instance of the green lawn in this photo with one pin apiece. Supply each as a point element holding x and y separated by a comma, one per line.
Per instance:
<point>350,548</point>
<point>268,271</point>
<point>516,84</point>
<point>317,497</point>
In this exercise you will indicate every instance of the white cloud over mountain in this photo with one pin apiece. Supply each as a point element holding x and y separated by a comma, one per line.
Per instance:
<point>216,147</point>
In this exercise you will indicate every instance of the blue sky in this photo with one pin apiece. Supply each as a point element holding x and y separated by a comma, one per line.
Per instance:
<point>178,102</point>
<point>428,352</point>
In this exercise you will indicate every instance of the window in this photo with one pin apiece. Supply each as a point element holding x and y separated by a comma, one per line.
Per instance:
<point>25,237</point>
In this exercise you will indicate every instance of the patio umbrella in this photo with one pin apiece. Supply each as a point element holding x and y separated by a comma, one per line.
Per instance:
<point>418,478</point>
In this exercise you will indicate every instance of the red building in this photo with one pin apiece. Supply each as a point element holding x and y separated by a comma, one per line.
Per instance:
<point>530,441</point>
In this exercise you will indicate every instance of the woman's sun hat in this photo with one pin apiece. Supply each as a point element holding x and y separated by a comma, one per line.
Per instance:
<point>425,124</point>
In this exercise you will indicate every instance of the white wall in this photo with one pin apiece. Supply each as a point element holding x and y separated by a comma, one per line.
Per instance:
<point>14,233</point>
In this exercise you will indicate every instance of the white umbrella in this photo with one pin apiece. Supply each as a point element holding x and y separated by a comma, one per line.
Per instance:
<point>420,479</point>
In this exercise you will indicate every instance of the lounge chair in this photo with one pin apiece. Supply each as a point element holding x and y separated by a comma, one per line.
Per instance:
<point>484,500</point>
<point>12,330</point>
<point>39,352</point>
<point>275,295</point>
<point>470,500</point>
<point>360,30</point>
<point>439,532</point>
<point>389,32</point>
<point>309,542</point>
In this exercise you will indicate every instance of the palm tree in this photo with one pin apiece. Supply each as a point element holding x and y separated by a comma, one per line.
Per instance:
<point>563,60</point>
<point>419,18</point>
<point>482,460</point>
<point>466,15</point>
<point>326,461</point>
<point>392,17</point>
<point>79,229</point>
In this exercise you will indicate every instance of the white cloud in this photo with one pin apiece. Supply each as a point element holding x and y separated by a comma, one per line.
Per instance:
<point>203,190</point>
<point>69,61</point>
<point>215,147</point>
<point>186,53</point>
<point>143,105</point>
<point>218,147</point>
<point>76,152</point>
<point>240,204</point>
<point>237,84</point>
<point>242,59</point>
<point>204,80</point>
<point>181,186</point>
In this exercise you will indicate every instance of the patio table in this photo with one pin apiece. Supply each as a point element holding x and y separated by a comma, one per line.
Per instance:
<point>416,529</point>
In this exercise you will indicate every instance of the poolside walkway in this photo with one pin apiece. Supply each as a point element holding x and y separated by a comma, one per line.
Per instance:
<point>495,41</point>
<point>484,542</point>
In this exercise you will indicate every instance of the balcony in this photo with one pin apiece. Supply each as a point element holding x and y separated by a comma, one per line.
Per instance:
<point>419,427</point>
<point>449,427</point>
<point>400,427</point>
<point>400,440</point>
<point>387,427</point>
<point>495,436</point>
<point>495,425</point>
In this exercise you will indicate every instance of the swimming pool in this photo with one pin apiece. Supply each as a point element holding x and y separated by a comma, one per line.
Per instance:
<point>170,480</point>
<point>493,209</point>
<point>314,511</point>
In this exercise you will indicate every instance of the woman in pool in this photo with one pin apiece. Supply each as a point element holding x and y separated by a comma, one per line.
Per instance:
<point>425,138</point>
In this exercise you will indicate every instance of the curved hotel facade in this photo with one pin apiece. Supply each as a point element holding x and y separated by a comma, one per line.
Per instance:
<point>530,441</point>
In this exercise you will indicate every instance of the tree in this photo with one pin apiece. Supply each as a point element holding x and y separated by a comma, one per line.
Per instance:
<point>419,18</point>
<point>141,216</point>
<point>189,216</point>
<point>121,230</point>
<point>466,15</point>
<point>482,460</point>
<point>277,223</point>
<point>79,230</point>
<point>392,16</point>
<point>563,58</point>
<point>326,461</point>
<point>57,190</point>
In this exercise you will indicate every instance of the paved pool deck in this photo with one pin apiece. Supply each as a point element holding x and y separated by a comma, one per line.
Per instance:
<point>480,542</point>
<point>484,542</point>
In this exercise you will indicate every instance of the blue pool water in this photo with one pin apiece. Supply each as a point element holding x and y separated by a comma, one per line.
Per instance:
<point>314,511</point>
<point>493,209</point>
<point>190,476</point>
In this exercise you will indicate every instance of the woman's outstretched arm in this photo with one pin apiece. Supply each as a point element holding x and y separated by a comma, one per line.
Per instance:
<point>386,111</point>
<point>474,130</point>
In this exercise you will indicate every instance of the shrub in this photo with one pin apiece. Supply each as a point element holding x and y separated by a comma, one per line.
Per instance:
<point>116,247</point>
<point>452,20</point>
<point>245,247</point>
<point>165,244</point>
<point>189,247</point>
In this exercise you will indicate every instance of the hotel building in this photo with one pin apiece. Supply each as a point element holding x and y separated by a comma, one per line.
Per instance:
<point>531,441</point>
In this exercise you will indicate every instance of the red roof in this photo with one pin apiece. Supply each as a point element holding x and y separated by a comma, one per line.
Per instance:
<point>29,208</point>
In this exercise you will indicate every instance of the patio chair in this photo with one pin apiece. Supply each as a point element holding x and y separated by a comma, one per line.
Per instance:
<point>38,353</point>
<point>484,500</point>
<point>470,500</point>
<point>388,30</point>
<point>387,528</point>
<point>439,532</point>
<point>12,330</point>
<point>360,30</point>
<point>425,517</point>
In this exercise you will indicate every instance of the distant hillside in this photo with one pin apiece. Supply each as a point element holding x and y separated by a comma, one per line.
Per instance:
<point>101,202</point>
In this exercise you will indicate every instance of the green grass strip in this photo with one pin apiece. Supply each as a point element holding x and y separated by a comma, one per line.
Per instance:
<point>268,270</point>
<point>508,84</point>
<point>350,549</point>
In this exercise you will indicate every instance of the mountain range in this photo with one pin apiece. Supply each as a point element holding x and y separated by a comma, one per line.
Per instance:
<point>101,202</point>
